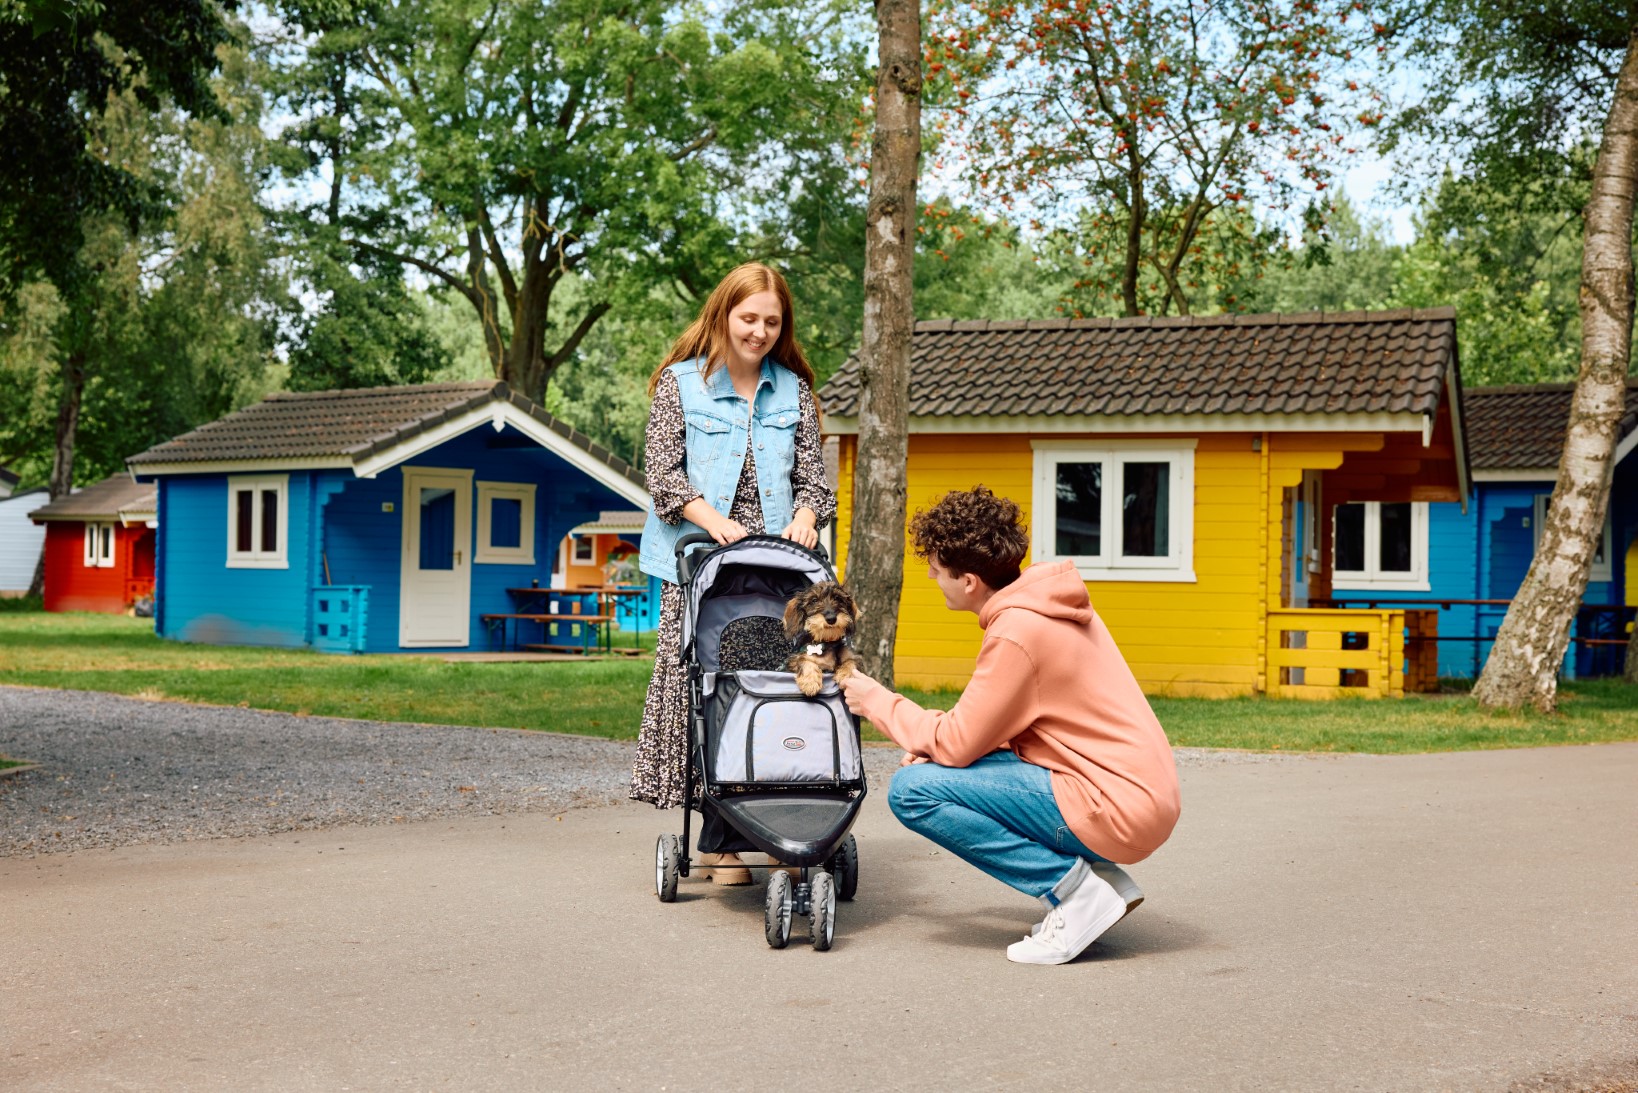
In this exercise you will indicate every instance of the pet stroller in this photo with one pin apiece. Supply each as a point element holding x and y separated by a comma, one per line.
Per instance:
<point>782,769</point>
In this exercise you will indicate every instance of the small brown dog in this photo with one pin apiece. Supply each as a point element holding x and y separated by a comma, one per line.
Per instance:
<point>819,622</point>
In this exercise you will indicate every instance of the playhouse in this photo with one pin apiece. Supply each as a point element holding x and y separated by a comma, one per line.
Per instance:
<point>99,547</point>
<point>21,539</point>
<point>397,519</point>
<point>1190,468</point>
<point>1471,563</point>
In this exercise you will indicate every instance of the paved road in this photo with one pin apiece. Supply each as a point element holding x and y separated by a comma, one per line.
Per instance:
<point>1460,922</point>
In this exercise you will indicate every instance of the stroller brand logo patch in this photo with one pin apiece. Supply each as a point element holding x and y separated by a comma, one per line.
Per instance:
<point>795,743</point>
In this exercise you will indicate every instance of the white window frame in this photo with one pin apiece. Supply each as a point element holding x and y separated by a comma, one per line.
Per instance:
<point>99,545</point>
<point>1598,571</point>
<point>522,554</point>
<point>1372,576</point>
<point>590,543</point>
<point>1176,566</point>
<point>257,558</point>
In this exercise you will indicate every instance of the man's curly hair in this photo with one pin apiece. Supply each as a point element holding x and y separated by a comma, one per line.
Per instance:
<point>973,531</point>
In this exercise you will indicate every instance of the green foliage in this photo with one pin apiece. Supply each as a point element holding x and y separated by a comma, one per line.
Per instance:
<point>169,324</point>
<point>59,65</point>
<point>501,149</point>
<point>1146,128</point>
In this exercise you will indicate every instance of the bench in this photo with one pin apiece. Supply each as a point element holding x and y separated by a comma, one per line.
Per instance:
<point>592,627</point>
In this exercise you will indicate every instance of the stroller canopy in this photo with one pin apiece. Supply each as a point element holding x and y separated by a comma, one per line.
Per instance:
<point>755,576</point>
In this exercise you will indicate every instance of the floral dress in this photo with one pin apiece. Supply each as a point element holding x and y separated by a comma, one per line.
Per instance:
<point>662,741</point>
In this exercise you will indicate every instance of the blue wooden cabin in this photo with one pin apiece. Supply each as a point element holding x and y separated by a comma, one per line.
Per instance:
<point>1470,564</point>
<point>378,520</point>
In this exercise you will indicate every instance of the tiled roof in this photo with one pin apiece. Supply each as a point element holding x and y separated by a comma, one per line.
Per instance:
<point>1522,427</point>
<point>1349,362</point>
<point>103,501</point>
<point>350,426</point>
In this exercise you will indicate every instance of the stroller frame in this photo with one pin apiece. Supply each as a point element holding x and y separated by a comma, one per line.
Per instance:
<point>826,868</point>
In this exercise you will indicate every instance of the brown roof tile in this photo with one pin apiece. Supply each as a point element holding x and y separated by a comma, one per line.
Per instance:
<point>1355,362</point>
<point>350,425</point>
<point>1521,427</point>
<point>103,501</point>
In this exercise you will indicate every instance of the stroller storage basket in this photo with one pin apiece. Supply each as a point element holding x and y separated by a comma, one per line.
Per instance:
<point>760,729</point>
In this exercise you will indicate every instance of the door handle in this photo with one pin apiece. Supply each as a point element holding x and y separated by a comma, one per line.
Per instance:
<point>457,557</point>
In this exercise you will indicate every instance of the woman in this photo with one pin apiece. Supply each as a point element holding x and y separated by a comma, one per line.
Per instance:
<point>732,450</point>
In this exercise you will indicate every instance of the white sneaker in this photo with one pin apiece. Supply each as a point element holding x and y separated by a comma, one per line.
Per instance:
<point>1119,880</point>
<point>1078,920</point>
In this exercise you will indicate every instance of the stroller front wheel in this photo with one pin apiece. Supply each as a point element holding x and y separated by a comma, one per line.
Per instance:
<point>822,911</point>
<point>667,864</point>
<point>845,867</point>
<point>776,913</point>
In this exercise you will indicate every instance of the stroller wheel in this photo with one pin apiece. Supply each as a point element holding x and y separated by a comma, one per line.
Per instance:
<point>667,863</point>
<point>822,914</point>
<point>776,914</point>
<point>845,866</point>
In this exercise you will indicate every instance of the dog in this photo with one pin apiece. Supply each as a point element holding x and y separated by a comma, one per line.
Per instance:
<point>819,623</point>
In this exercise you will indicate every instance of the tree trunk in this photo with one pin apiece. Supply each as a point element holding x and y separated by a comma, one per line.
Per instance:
<point>68,424</point>
<point>1524,663</point>
<point>875,566</point>
<point>1630,673</point>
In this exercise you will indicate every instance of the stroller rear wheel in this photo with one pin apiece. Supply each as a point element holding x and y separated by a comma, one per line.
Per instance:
<point>667,864</point>
<point>845,867</point>
<point>822,911</point>
<point>776,912</point>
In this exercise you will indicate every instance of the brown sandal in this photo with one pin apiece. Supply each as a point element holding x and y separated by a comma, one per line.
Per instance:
<point>725,869</point>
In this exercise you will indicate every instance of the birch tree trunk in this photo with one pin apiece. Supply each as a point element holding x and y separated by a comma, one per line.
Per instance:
<point>875,564</point>
<point>1524,662</point>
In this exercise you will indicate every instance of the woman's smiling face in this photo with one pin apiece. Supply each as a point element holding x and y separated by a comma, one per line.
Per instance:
<point>753,327</point>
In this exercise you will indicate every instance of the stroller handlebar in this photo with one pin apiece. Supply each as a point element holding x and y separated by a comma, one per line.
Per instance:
<point>688,561</point>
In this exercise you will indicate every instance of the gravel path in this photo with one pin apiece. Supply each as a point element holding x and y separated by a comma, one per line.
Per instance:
<point>114,771</point>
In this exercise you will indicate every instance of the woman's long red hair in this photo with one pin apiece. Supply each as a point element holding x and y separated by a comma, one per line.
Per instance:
<point>707,336</point>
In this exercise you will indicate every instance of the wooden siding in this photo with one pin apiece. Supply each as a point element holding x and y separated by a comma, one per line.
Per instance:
<point>1206,637</point>
<point>21,541</point>
<point>204,600</point>
<point>71,585</point>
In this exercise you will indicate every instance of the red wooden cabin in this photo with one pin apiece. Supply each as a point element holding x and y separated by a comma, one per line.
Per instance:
<point>99,548</point>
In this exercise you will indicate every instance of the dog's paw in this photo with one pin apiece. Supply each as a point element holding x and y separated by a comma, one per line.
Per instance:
<point>845,669</point>
<point>809,678</point>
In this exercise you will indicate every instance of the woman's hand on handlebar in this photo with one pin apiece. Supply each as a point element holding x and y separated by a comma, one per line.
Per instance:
<point>727,531</point>
<point>801,530</point>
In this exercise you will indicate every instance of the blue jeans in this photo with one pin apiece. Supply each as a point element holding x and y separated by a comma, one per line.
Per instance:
<point>998,814</point>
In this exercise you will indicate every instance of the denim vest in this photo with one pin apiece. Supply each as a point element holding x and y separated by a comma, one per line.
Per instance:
<point>717,433</point>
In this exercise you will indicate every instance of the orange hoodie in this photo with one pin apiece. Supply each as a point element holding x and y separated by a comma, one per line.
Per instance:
<point>1051,684</point>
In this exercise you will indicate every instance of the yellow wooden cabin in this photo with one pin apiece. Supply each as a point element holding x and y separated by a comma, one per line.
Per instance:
<point>1226,444</point>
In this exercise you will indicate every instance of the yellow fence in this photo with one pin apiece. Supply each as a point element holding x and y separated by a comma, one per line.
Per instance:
<point>1329,653</point>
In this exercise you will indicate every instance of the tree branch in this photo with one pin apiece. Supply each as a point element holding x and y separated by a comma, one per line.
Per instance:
<point>566,350</point>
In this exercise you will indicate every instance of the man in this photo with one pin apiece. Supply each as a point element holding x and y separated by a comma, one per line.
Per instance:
<point>1051,767</point>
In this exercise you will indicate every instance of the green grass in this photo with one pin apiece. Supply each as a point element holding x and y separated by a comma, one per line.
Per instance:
<point>21,604</point>
<point>605,697</point>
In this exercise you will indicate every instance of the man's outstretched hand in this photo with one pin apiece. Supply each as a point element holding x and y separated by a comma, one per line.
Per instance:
<point>859,690</point>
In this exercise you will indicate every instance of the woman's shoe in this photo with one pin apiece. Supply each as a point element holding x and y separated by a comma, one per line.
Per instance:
<point>725,869</point>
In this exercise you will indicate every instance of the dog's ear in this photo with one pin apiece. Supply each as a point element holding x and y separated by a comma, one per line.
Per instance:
<point>847,598</point>
<point>793,616</point>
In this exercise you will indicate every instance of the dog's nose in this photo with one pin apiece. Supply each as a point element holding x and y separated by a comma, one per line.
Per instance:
<point>830,616</point>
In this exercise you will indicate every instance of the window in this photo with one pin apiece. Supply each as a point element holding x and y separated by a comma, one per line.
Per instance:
<point>1600,570</point>
<point>585,550</point>
<point>506,523</point>
<point>258,509</point>
<point>1119,510</point>
<point>99,546</point>
<point>1380,544</point>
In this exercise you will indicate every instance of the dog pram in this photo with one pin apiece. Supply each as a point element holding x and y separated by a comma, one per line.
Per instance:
<point>781,768</point>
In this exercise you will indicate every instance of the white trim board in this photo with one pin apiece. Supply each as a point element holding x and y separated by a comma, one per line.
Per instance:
<point>499,415</point>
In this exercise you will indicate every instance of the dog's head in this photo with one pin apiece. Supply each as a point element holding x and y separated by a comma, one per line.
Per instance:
<point>822,612</point>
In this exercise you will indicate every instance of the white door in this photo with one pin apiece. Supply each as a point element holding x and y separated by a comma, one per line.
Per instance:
<point>435,591</point>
